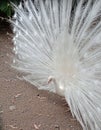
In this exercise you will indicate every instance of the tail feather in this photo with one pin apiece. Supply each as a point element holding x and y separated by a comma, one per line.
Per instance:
<point>85,102</point>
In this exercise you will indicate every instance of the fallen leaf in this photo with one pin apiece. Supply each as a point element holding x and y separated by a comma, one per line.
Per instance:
<point>13,127</point>
<point>37,126</point>
<point>12,108</point>
<point>19,94</point>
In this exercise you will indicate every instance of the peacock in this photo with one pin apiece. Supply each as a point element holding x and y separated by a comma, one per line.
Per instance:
<point>57,46</point>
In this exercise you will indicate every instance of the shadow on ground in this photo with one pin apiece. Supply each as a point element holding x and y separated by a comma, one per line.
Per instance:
<point>1,122</point>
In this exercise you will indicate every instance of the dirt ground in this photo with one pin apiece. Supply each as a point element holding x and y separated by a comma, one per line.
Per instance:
<point>22,106</point>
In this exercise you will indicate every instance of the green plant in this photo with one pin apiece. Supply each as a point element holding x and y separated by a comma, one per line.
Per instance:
<point>6,7</point>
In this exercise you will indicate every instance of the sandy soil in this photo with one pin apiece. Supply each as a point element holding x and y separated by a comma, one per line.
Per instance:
<point>22,106</point>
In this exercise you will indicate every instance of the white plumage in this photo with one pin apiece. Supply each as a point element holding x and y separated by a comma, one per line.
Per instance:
<point>58,46</point>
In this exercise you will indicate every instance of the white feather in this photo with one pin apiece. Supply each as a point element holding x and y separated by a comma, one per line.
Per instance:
<point>55,41</point>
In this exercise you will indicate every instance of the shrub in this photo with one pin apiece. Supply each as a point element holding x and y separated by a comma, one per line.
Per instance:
<point>6,8</point>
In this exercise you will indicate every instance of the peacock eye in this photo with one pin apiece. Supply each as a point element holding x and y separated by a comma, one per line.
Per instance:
<point>61,87</point>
